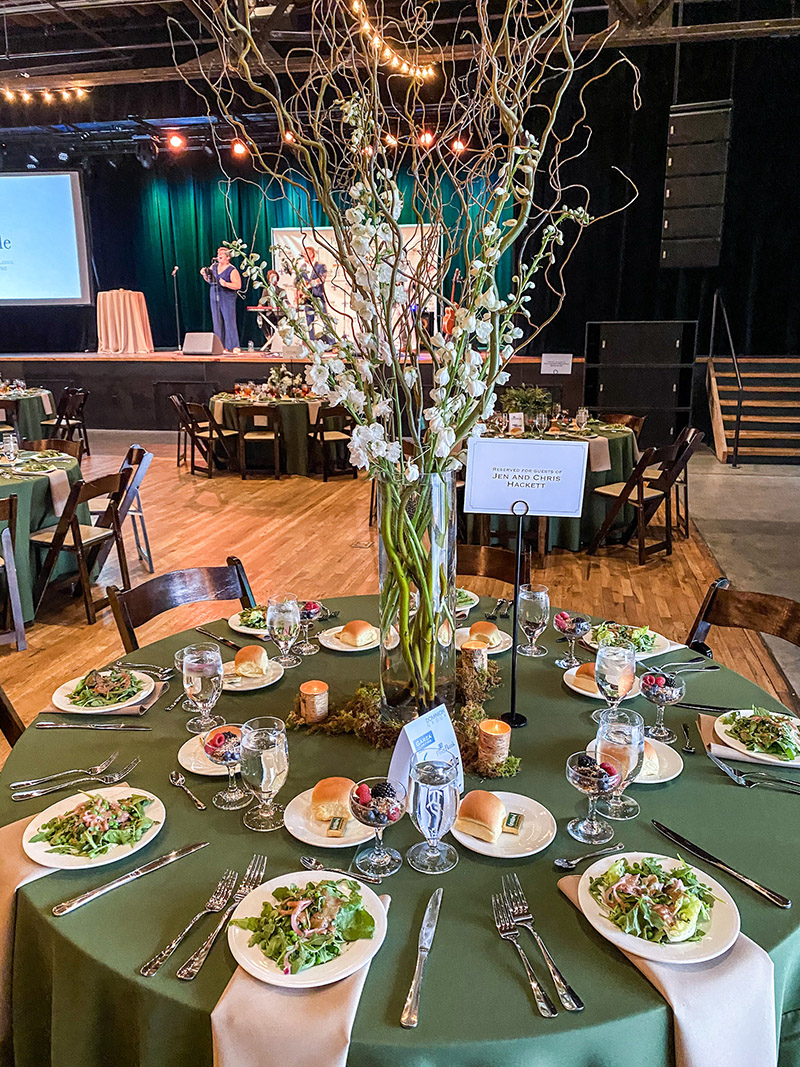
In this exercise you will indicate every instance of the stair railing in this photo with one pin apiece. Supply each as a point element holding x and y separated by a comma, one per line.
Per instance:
<point>719,304</point>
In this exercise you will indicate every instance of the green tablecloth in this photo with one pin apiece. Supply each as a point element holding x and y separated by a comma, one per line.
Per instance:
<point>34,511</point>
<point>31,411</point>
<point>294,422</point>
<point>79,1002</point>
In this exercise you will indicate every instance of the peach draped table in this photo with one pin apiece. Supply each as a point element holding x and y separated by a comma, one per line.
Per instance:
<point>123,325</point>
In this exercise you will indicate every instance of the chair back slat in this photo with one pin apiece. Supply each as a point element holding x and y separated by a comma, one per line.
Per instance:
<point>674,459</point>
<point>136,464</point>
<point>481,561</point>
<point>58,444</point>
<point>763,612</point>
<point>11,726</point>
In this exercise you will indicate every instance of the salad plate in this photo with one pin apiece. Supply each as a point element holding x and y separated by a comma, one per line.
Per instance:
<point>538,830</point>
<point>38,850</point>
<point>353,954</point>
<point>41,467</point>
<point>236,624</point>
<point>192,758</point>
<point>670,763</point>
<point>569,682</point>
<point>466,600</point>
<point>235,683</point>
<point>636,634</point>
<point>730,728</point>
<point>462,635</point>
<point>62,696</point>
<point>330,639</point>
<point>721,928</point>
<point>300,822</point>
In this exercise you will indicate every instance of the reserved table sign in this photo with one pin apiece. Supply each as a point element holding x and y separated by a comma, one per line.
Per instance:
<point>556,363</point>
<point>432,731</point>
<point>548,476</point>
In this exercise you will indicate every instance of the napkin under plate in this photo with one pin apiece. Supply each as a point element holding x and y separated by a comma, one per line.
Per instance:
<point>705,726</point>
<point>147,702</point>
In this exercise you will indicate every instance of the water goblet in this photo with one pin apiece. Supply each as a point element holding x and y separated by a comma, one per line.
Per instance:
<point>614,673</point>
<point>572,627</point>
<point>377,802</point>
<point>533,613</point>
<point>541,422</point>
<point>433,806</point>
<point>310,611</point>
<point>620,738</point>
<point>223,745</point>
<point>283,625</point>
<point>589,777</point>
<point>555,410</point>
<point>202,683</point>
<point>188,704</point>
<point>264,768</point>
<point>582,418</point>
<point>661,690</point>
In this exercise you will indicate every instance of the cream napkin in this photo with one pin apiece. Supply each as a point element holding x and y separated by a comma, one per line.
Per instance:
<point>723,1011</point>
<point>59,490</point>
<point>599,454</point>
<point>705,724</point>
<point>313,410</point>
<point>299,1027</point>
<point>216,411</point>
<point>47,401</point>
<point>147,702</point>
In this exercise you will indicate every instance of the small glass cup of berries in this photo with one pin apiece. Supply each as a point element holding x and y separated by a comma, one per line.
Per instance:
<point>661,690</point>
<point>377,803</point>
<point>572,627</point>
<point>310,611</point>
<point>223,746</point>
<point>595,780</point>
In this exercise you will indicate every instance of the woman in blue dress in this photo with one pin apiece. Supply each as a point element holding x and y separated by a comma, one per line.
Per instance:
<point>225,281</point>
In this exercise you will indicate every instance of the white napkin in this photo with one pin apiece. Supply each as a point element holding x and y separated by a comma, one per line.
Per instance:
<point>59,490</point>
<point>47,401</point>
<point>599,454</point>
<point>216,411</point>
<point>298,1027</point>
<point>723,1011</point>
<point>313,410</point>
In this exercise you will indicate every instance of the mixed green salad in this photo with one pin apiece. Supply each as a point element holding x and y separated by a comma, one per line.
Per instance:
<point>464,599</point>
<point>103,689</point>
<point>97,825</point>
<point>255,617</point>
<point>34,466</point>
<point>616,633</point>
<point>766,731</point>
<point>646,901</point>
<point>308,926</point>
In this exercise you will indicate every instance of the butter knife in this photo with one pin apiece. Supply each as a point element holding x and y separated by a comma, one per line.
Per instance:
<point>216,637</point>
<point>88,726</point>
<point>770,894</point>
<point>410,1016</point>
<point>154,865</point>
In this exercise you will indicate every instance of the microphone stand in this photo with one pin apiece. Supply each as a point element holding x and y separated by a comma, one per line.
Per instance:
<point>177,313</point>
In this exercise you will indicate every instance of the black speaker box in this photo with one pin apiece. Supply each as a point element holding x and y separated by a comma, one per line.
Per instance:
<point>693,222</point>
<point>202,344</point>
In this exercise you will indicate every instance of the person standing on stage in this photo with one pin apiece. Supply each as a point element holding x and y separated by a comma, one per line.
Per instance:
<point>311,288</point>
<point>225,281</point>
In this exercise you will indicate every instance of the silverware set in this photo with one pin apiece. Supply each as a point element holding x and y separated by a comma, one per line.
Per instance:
<point>160,673</point>
<point>312,864</point>
<point>99,779</point>
<point>493,613</point>
<point>750,779</point>
<point>511,910</point>
<point>688,749</point>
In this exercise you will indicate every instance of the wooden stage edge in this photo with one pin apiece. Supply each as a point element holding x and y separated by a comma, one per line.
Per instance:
<point>172,356</point>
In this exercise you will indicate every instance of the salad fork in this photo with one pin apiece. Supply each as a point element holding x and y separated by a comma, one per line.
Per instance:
<point>102,779</point>
<point>216,902</point>
<point>28,783</point>
<point>493,613</point>
<point>508,931</point>
<point>521,914</point>
<point>253,877</point>
<point>760,777</point>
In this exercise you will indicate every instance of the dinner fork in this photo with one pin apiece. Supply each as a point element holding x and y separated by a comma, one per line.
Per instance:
<point>101,779</point>
<point>789,785</point>
<point>28,783</point>
<point>506,611</point>
<point>508,931</point>
<point>521,914</point>
<point>216,902</point>
<point>162,673</point>
<point>253,877</point>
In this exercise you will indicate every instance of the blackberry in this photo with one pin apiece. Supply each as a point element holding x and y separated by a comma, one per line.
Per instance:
<point>585,761</point>
<point>384,789</point>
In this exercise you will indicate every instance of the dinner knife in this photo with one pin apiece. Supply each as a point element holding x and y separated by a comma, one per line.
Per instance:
<point>410,1016</point>
<point>154,865</point>
<point>770,894</point>
<point>88,726</point>
<point>216,637</point>
<point>705,707</point>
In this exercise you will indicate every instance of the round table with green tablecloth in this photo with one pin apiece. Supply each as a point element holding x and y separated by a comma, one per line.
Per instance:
<point>78,1000</point>
<point>32,405</point>
<point>296,419</point>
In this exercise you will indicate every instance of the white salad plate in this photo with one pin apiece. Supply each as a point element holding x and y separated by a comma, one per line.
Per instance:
<point>61,696</point>
<point>569,682</point>
<point>468,600</point>
<point>506,641</point>
<point>192,758</point>
<point>33,474</point>
<point>38,850</point>
<point>299,820</point>
<point>662,644</point>
<point>235,683</point>
<point>353,956</point>
<point>538,830</point>
<point>721,931</point>
<point>236,625</point>
<point>723,732</point>
<point>670,763</point>
<point>330,639</point>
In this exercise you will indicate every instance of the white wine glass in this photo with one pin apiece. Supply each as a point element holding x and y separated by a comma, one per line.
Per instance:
<point>264,767</point>
<point>620,737</point>
<point>202,683</point>
<point>433,806</point>
<point>283,626</point>
<point>615,674</point>
<point>533,615</point>
<point>582,418</point>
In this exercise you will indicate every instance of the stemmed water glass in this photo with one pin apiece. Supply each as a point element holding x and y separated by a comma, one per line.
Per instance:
<point>615,674</point>
<point>572,627</point>
<point>541,422</point>
<point>264,767</point>
<point>188,704</point>
<point>283,625</point>
<point>310,611</point>
<point>223,745</point>
<point>378,802</point>
<point>589,777</point>
<point>533,612</point>
<point>202,683</point>
<point>582,418</point>
<point>11,447</point>
<point>661,690</point>
<point>433,805</point>
<point>621,738</point>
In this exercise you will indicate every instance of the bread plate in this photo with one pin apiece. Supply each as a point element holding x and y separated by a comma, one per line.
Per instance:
<point>300,822</point>
<point>670,763</point>
<point>538,830</point>
<point>236,683</point>
<point>330,639</point>
<point>61,699</point>
<point>193,759</point>
<point>462,635</point>
<point>569,682</point>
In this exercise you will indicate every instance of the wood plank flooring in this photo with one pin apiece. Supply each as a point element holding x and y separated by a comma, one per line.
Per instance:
<point>313,538</point>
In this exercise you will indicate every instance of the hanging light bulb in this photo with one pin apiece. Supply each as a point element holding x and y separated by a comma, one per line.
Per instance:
<point>26,96</point>
<point>390,140</point>
<point>289,137</point>
<point>459,146</point>
<point>239,148</point>
<point>8,95</point>
<point>176,142</point>
<point>80,93</point>
<point>65,95</point>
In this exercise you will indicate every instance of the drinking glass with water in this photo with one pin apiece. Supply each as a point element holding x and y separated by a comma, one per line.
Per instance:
<point>202,683</point>
<point>264,768</point>
<point>433,806</point>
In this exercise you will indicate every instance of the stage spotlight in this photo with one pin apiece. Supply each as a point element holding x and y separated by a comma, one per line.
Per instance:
<point>146,153</point>
<point>239,148</point>
<point>176,142</point>
<point>33,159</point>
<point>426,139</point>
<point>459,146</point>
<point>209,151</point>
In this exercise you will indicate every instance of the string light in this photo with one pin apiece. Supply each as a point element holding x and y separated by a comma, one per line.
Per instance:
<point>8,94</point>
<point>65,94</point>
<point>391,140</point>
<point>426,139</point>
<point>459,146</point>
<point>388,54</point>
<point>47,95</point>
<point>239,148</point>
<point>289,137</point>
<point>26,96</point>
<point>80,93</point>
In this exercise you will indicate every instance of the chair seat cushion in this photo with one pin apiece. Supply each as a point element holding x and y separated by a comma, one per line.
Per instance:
<point>89,535</point>
<point>335,435</point>
<point>259,435</point>
<point>616,488</point>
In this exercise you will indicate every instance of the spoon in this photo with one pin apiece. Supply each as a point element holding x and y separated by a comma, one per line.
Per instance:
<point>571,864</point>
<point>312,864</point>
<point>688,748</point>
<point>180,781</point>
<point>698,670</point>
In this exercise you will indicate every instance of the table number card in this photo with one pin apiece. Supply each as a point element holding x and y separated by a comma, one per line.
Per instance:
<point>433,730</point>
<point>516,421</point>
<point>548,476</point>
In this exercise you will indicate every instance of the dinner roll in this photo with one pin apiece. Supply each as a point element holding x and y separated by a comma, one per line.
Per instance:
<point>481,815</point>
<point>358,633</point>
<point>251,661</point>
<point>650,765</point>
<point>584,678</point>
<point>330,799</point>
<point>486,632</point>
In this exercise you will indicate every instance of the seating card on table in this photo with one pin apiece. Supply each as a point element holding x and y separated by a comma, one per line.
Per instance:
<point>434,730</point>
<point>548,476</point>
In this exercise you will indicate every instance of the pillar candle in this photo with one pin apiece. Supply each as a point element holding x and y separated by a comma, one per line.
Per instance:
<point>494,741</point>
<point>314,701</point>
<point>474,654</point>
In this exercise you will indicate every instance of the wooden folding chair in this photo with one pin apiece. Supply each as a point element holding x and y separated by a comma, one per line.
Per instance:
<point>497,564</point>
<point>136,462</point>
<point>10,421</point>
<point>58,444</point>
<point>328,437</point>
<point>680,514</point>
<point>11,726</point>
<point>135,607</point>
<point>14,632</point>
<point>271,431</point>
<point>70,417</point>
<point>762,612</point>
<point>210,439</point>
<point>84,542</point>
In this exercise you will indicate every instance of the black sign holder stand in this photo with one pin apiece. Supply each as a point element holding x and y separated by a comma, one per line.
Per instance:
<point>512,717</point>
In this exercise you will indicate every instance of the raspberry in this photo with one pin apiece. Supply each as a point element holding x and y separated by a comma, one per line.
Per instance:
<point>393,813</point>
<point>609,768</point>
<point>649,679</point>
<point>363,795</point>
<point>661,680</point>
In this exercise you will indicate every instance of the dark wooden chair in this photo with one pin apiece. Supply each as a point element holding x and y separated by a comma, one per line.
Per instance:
<point>14,632</point>
<point>9,423</point>
<point>84,542</point>
<point>633,422</point>
<point>211,440</point>
<point>135,607</point>
<point>70,417</point>
<point>70,448</point>
<point>762,612</point>
<point>271,429</point>
<point>11,725</point>
<point>498,564</point>
<point>329,437</point>
<point>681,514</point>
<point>136,463</point>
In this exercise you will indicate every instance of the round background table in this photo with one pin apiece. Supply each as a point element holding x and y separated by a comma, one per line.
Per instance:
<point>31,407</point>
<point>78,1000</point>
<point>296,418</point>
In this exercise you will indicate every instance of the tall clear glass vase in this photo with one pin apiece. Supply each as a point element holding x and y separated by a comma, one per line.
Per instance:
<point>417,556</point>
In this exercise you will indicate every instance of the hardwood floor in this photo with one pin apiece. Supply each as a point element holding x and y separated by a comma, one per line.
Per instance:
<point>313,538</point>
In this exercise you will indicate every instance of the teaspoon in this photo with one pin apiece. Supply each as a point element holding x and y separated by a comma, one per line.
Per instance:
<point>180,781</point>
<point>571,864</point>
